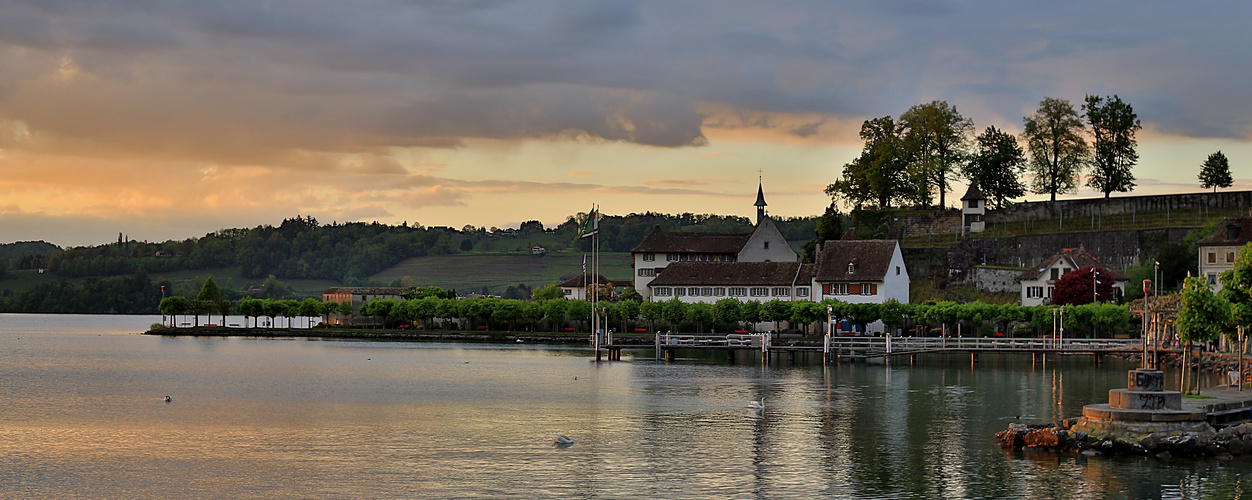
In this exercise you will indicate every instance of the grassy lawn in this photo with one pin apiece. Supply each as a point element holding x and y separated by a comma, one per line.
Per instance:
<point>25,279</point>
<point>473,272</point>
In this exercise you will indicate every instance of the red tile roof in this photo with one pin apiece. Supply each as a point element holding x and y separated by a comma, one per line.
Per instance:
<point>581,281</point>
<point>662,241</point>
<point>871,260</point>
<point>1231,231</point>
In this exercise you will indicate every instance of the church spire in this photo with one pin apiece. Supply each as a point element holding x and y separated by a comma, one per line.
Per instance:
<point>760,201</point>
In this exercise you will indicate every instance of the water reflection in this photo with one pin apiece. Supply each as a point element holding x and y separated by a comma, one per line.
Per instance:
<point>264,418</point>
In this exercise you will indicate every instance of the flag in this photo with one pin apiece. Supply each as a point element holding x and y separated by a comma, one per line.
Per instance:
<point>584,264</point>
<point>592,224</point>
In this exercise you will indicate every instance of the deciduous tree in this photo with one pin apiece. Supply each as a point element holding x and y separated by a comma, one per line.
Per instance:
<point>1057,149</point>
<point>937,137</point>
<point>997,167</point>
<point>1080,287</point>
<point>1113,125</point>
<point>880,174</point>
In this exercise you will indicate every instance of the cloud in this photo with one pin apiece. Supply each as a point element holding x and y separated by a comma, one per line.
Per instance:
<point>676,182</point>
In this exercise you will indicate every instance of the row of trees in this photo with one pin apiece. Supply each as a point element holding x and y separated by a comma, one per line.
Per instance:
<point>1203,315</point>
<point>910,159</point>
<point>302,248</point>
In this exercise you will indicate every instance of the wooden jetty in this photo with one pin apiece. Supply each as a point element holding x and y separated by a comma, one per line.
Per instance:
<point>861,348</point>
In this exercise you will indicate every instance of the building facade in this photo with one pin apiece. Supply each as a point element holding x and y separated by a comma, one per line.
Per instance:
<point>1037,282</point>
<point>745,281</point>
<point>1220,249</point>
<point>861,272</point>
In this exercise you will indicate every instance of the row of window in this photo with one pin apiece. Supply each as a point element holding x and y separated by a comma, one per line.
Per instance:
<point>687,257</point>
<point>734,291</point>
<point>1230,257</point>
<point>849,288</point>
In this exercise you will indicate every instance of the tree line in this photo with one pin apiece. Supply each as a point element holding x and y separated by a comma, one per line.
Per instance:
<point>302,248</point>
<point>910,159</point>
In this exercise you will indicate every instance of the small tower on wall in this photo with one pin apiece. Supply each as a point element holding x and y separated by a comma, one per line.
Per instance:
<point>974,210</point>
<point>760,202</point>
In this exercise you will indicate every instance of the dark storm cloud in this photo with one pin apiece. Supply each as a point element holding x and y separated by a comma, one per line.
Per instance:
<point>231,79</point>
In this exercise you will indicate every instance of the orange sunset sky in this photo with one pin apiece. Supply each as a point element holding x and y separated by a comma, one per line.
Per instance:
<point>171,119</point>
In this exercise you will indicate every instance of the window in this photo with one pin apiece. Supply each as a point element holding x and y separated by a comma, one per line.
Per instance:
<point>1034,292</point>
<point>869,289</point>
<point>1056,274</point>
<point>1212,257</point>
<point>649,257</point>
<point>767,245</point>
<point>680,291</point>
<point>1049,292</point>
<point>663,291</point>
<point>802,291</point>
<point>759,292</point>
<point>693,291</point>
<point>973,203</point>
<point>1212,278</point>
<point>835,288</point>
<point>1230,257</point>
<point>647,272</point>
<point>897,270</point>
<point>671,257</point>
<point>851,268</point>
<point>706,291</point>
<point>719,292</point>
<point>738,291</point>
<point>567,291</point>
<point>781,291</point>
<point>1065,271</point>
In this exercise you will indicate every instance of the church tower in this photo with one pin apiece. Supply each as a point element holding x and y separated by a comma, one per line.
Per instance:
<point>760,202</point>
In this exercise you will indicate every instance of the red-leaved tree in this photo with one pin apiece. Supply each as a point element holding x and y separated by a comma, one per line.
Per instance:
<point>1076,287</point>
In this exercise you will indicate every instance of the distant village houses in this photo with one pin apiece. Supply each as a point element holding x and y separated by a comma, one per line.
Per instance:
<point>1219,250</point>
<point>1038,282</point>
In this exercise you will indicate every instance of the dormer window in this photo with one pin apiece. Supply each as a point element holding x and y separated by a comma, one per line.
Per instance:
<point>851,267</point>
<point>767,245</point>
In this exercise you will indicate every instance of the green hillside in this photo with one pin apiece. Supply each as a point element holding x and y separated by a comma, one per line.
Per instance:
<point>468,272</point>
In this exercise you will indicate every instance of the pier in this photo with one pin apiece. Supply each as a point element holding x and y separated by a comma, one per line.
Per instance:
<point>841,348</point>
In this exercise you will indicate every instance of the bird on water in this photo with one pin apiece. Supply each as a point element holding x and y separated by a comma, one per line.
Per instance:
<point>757,405</point>
<point>562,441</point>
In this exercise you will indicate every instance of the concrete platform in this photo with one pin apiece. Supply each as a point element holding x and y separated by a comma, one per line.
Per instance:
<point>1103,412</point>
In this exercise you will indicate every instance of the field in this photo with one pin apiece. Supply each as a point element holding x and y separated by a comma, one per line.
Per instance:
<point>473,272</point>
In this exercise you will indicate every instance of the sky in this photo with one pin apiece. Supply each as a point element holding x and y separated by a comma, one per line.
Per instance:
<point>169,119</point>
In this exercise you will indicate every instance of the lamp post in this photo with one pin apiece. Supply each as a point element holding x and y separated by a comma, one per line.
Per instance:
<point>162,300</point>
<point>1147,288</point>
<point>1095,285</point>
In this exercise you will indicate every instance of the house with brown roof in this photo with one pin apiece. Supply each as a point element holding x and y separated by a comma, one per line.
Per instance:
<point>1218,251</point>
<point>974,210</point>
<point>860,272</point>
<point>660,248</point>
<point>1037,282</point>
<point>746,281</point>
<point>578,287</point>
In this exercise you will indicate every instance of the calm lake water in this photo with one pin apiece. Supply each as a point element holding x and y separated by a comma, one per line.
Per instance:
<point>82,415</point>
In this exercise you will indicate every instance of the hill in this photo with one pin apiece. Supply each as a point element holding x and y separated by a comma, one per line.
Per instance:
<point>473,272</point>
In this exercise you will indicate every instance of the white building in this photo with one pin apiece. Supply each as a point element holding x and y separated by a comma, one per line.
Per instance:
<point>974,210</point>
<point>745,281</point>
<point>578,287</point>
<point>1219,250</point>
<point>1037,282</point>
<point>861,272</point>
<point>660,248</point>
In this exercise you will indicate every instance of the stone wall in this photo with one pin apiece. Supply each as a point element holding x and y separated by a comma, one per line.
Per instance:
<point>1189,203</point>
<point>1116,249</point>
<point>995,279</point>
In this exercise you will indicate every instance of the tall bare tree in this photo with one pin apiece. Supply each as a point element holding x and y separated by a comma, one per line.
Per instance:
<point>1057,150</point>
<point>1113,124</point>
<point>939,138</point>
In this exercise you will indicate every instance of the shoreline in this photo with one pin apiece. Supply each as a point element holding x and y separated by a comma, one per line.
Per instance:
<point>427,336</point>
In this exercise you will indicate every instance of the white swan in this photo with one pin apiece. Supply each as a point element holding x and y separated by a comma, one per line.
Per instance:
<point>562,441</point>
<point>757,405</point>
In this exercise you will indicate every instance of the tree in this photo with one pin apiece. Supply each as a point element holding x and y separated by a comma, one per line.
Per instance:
<point>997,167</point>
<point>1113,124</point>
<point>629,293</point>
<point>173,306</point>
<point>579,310</point>
<point>1057,150</point>
<point>1215,172</point>
<point>209,292</point>
<point>627,309</point>
<point>776,310</point>
<point>1237,288</point>
<point>650,312</point>
<point>1079,287</point>
<point>829,227</point>
<point>1201,315</point>
<point>728,311</point>
<point>880,174</point>
<point>700,313</point>
<point>674,311</point>
<point>548,292</point>
<point>937,137</point>
<point>805,313</point>
<point>555,310</point>
<point>309,308</point>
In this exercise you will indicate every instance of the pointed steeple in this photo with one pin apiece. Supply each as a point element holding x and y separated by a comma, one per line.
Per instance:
<point>760,202</point>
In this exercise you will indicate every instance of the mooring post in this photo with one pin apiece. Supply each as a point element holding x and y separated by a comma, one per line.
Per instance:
<point>791,357</point>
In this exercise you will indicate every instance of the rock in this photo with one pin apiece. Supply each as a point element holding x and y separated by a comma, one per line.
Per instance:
<point>1164,455</point>
<point>1224,456</point>
<point>1042,438</point>
<point>1235,446</point>
<point>1151,443</point>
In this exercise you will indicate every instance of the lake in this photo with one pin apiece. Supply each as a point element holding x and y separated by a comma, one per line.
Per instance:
<point>83,415</point>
